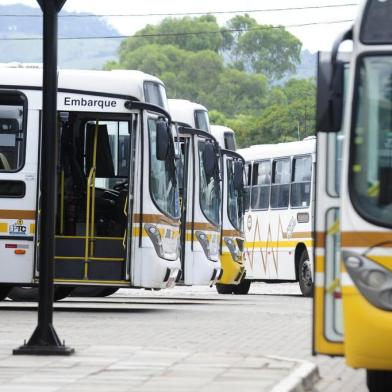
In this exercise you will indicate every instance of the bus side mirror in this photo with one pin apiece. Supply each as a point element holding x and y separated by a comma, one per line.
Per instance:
<point>238,175</point>
<point>163,140</point>
<point>246,198</point>
<point>330,94</point>
<point>209,158</point>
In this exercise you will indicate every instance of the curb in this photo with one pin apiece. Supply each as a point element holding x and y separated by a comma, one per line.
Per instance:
<point>301,379</point>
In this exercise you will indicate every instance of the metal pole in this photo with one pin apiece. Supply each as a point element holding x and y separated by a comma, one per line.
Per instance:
<point>44,340</point>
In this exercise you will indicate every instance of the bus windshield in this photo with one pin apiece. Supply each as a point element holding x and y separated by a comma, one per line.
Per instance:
<point>163,183</point>
<point>234,199</point>
<point>210,195</point>
<point>371,160</point>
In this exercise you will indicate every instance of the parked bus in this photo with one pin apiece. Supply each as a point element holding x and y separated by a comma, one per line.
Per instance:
<point>353,264</point>
<point>200,193</point>
<point>118,217</point>
<point>232,236</point>
<point>279,218</point>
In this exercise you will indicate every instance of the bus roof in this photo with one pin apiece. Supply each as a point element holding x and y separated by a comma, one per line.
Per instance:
<point>118,82</point>
<point>183,111</point>
<point>263,151</point>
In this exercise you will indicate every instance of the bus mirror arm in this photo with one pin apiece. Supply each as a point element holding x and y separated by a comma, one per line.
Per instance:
<point>330,87</point>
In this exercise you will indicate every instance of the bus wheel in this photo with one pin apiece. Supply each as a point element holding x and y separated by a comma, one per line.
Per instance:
<point>91,291</point>
<point>30,294</point>
<point>108,291</point>
<point>305,275</point>
<point>4,292</point>
<point>242,288</point>
<point>62,292</point>
<point>224,288</point>
<point>379,380</point>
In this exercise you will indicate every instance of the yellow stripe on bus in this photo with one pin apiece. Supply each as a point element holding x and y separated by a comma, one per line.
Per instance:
<point>277,244</point>
<point>3,227</point>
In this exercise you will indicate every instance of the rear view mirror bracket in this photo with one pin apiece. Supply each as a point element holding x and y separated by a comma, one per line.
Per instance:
<point>330,88</point>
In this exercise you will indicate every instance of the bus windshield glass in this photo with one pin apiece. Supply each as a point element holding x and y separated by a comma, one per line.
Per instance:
<point>163,182</point>
<point>210,195</point>
<point>371,160</point>
<point>12,135</point>
<point>234,199</point>
<point>202,121</point>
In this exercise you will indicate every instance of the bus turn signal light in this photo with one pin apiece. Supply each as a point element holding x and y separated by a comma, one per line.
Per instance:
<point>20,251</point>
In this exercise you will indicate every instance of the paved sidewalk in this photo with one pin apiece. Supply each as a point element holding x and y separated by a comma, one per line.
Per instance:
<point>185,336</point>
<point>126,368</point>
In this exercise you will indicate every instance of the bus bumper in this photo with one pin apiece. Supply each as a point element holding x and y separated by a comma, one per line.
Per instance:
<point>233,271</point>
<point>368,332</point>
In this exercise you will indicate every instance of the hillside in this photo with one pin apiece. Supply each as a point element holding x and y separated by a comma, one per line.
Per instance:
<point>72,53</point>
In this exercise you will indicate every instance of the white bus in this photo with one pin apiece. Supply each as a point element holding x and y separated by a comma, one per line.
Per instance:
<point>200,193</point>
<point>279,221</point>
<point>232,236</point>
<point>118,211</point>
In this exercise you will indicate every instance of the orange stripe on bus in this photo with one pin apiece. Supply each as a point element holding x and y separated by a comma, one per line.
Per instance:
<point>17,214</point>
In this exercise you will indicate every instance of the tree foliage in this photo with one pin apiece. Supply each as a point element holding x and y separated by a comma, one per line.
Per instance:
<point>262,48</point>
<point>232,70</point>
<point>186,33</point>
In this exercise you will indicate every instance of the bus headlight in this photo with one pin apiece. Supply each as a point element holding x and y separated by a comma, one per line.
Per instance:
<point>211,250</point>
<point>233,248</point>
<point>372,279</point>
<point>155,237</point>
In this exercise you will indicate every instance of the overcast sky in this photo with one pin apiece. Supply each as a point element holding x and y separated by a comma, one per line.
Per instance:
<point>316,37</point>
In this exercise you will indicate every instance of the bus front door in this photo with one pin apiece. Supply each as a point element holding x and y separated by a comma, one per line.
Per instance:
<point>328,313</point>
<point>93,198</point>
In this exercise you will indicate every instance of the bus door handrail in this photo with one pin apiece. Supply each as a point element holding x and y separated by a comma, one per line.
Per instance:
<point>90,211</point>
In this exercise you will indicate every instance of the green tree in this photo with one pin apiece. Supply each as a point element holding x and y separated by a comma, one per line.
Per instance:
<point>193,34</point>
<point>240,92</point>
<point>230,73</point>
<point>262,48</point>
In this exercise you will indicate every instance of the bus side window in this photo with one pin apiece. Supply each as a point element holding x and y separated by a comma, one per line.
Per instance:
<point>280,187</point>
<point>261,185</point>
<point>12,134</point>
<point>154,94</point>
<point>301,181</point>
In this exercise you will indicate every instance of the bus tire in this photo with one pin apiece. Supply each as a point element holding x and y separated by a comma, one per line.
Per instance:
<point>379,380</point>
<point>4,292</point>
<point>91,291</point>
<point>305,275</point>
<point>31,294</point>
<point>242,288</point>
<point>106,291</point>
<point>224,288</point>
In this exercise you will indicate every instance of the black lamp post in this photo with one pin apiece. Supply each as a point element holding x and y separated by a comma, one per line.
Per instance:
<point>44,340</point>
